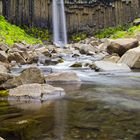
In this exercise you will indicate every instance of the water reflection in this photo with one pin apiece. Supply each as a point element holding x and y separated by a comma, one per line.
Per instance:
<point>90,112</point>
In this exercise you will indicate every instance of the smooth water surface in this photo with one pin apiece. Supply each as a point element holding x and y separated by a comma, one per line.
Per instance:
<point>108,108</point>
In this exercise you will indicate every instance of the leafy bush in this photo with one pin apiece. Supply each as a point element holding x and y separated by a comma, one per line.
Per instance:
<point>9,34</point>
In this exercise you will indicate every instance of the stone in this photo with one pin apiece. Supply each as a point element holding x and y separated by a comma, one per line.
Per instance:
<point>3,69</point>
<point>109,66</point>
<point>4,77</point>
<point>113,58</point>
<point>4,47</point>
<point>131,58</point>
<point>16,57</point>
<point>136,22</point>
<point>120,46</point>
<point>103,46</point>
<point>63,77</point>
<point>85,48</point>
<point>28,76</point>
<point>1,138</point>
<point>20,46</point>
<point>36,92</point>
<point>3,56</point>
<point>33,58</point>
<point>76,65</point>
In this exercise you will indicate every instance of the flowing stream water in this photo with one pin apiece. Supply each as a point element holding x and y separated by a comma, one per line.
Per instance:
<point>59,23</point>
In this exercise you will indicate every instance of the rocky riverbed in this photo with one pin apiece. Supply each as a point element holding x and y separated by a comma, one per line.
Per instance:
<point>91,90</point>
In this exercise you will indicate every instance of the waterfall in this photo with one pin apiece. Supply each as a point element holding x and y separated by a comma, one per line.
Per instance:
<point>59,23</point>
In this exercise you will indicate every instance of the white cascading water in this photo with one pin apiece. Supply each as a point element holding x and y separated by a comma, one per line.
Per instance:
<point>59,23</point>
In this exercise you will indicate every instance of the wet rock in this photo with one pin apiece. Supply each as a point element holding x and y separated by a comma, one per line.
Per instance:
<point>3,56</point>
<point>131,58</point>
<point>36,91</point>
<point>120,46</point>
<point>28,76</point>
<point>113,58</point>
<point>76,65</point>
<point>109,66</point>
<point>62,77</point>
<point>16,57</point>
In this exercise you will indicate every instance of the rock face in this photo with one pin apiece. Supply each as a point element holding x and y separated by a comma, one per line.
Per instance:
<point>120,46</point>
<point>63,77</point>
<point>36,91</point>
<point>28,76</point>
<point>131,58</point>
<point>109,66</point>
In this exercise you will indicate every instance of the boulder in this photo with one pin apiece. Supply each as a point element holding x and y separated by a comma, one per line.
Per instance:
<point>4,47</point>
<point>109,66</point>
<point>3,56</point>
<point>76,65</point>
<point>28,76</point>
<point>36,91</point>
<point>1,138</point>
<point>113,58</point>
<point>120,46</point>
<point>4,77</point>
<point>63,77</point>
<point>3,69</point>
<point>131,58</point>
<point>16,57</point>
<point>20,46</point>
<point>85,48</point>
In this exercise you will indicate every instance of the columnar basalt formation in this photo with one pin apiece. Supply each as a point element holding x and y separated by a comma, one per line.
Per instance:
<point>82,15</point>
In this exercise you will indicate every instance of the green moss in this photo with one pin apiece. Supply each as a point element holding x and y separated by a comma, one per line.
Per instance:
<point>78,37</point>
<point>4,93</point>
<point>10,34</point>
<point>40,33</point>
<point>113,32</point>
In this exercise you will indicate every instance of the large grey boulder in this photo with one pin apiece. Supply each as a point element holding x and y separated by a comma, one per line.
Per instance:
<point>131,58</point>
<point>63,77</point>
<point>28,76</point>
<point>36,92</point>
<point>120,46</point>
<point>109,66</point>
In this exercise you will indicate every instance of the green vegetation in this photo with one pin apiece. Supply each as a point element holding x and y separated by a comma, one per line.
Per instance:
<point>118,32</point>
<point>9,34</point>
<point>42,34</point>
<point>78,37</point>
<point>113,32</point>
<point>4,93</point>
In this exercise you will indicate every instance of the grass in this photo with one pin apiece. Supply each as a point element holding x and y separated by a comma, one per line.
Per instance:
<point>10,34</point>
<point>124,31</point>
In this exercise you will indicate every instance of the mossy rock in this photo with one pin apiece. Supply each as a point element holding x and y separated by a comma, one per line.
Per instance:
<point>76,65</point>
<point>4,93</point>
